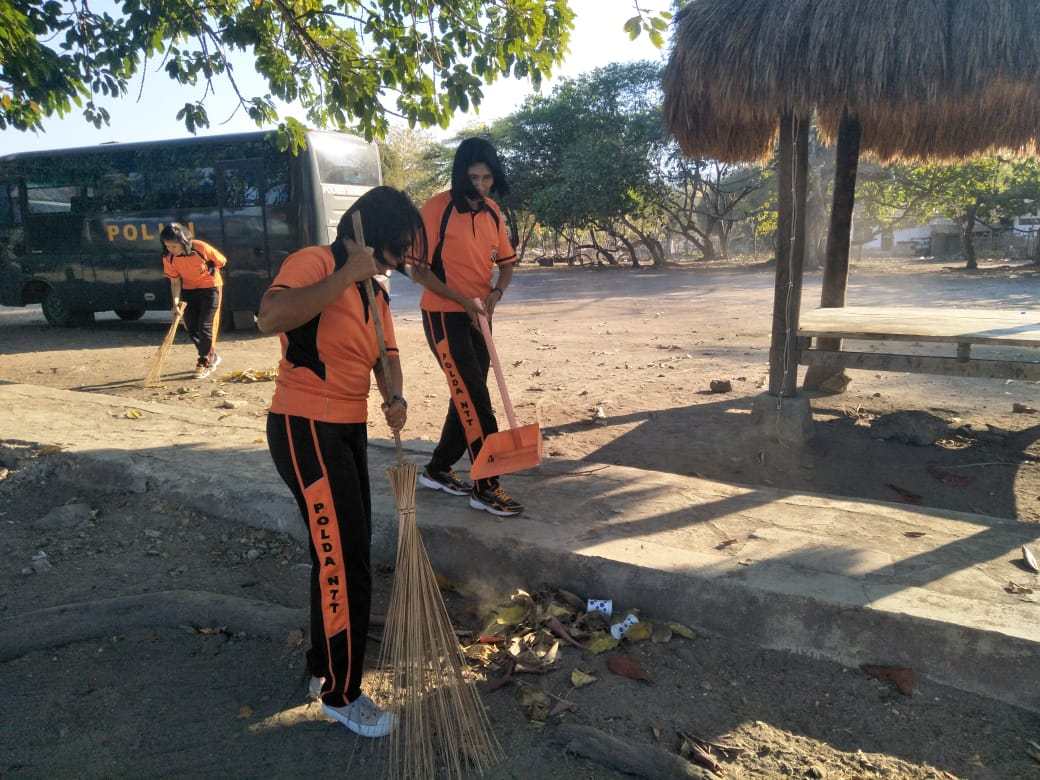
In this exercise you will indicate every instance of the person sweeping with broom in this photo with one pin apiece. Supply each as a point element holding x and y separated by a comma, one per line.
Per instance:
<point>193,268</point>
<point>317,431</point>
<point>467,243</point>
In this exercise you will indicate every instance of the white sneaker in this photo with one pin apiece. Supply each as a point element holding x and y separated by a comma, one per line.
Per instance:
<point>314,687</point>
<point>363,717</point>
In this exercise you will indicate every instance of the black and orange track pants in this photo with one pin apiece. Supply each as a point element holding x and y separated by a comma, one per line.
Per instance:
<point>202,318</point>
<point>463,357</point>
<point>325,466</point>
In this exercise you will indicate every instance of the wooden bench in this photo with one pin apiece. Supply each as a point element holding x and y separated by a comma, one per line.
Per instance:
<point>964,328</point>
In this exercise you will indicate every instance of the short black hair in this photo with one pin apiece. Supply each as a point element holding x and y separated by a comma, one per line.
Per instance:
<point>390,221</point>
<point>470,152</point>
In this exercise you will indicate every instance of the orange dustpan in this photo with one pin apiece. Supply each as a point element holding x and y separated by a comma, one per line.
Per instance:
<point>516,449</point>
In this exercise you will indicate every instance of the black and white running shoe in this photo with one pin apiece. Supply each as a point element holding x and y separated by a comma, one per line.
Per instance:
<point>496,501</point>
<point>446,481</point>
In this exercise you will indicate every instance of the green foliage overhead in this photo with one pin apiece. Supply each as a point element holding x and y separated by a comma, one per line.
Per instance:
<point>349,63</point>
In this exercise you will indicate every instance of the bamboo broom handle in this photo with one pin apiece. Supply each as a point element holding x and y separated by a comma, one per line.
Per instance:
<point>377,317</point>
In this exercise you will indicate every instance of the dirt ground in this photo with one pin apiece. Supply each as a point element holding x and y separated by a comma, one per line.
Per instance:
<point>192,700</point>
<point>617,364</point>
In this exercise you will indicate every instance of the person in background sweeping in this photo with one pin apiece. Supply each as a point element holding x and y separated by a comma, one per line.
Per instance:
<point>467,242</point>
<point>193,268</point>
<point>317,431</point>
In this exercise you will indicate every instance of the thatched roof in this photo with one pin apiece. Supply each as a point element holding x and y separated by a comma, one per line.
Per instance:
<point>927,78</point>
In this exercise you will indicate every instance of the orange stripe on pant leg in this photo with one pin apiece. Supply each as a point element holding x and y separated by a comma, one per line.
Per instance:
<point>335,604</point>
<point>216,319</point>
<point>458,391</point>
<point>318,498</point>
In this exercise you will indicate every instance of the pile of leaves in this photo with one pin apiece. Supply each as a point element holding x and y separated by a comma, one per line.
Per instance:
<point>251,375</point>
<point>527,634</point>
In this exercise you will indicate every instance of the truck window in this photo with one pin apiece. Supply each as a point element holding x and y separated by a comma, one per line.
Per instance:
<point>51,199</point>
<point>343,159</point>
<point>182,188</point>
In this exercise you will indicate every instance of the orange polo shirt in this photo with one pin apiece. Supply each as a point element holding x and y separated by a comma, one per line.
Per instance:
<point>326,366</point>
<point>475,241</point>
<point>191,269</point>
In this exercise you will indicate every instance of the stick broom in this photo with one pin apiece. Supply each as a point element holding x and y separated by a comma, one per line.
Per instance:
<point>164,350</point>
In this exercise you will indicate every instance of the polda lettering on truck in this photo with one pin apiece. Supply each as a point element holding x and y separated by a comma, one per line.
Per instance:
<point>132,232</point>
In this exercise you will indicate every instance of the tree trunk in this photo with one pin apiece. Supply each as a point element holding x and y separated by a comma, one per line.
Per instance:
<point>839,239</point>
<point>790,253</point>
<point>723,233</point>
<point>968,237</point>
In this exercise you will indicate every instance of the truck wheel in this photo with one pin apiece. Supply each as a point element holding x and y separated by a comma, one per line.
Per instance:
<point>129,315</point>
<point>59,314</point>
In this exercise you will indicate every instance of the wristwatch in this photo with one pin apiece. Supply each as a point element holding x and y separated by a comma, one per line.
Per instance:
<point>393,398</point>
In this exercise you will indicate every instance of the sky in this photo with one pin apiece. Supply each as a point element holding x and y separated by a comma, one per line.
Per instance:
<point>598,39</point>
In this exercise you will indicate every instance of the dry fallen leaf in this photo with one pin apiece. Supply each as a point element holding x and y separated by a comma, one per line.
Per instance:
<point>562,706</point>
<point>244,712</point>
<point>579,678</point>
<point>557,611</point>
<point>600,642</point>
<point>511,615</point>
<point>640,632</point>
<point>627,666</point>
<point>1030,559</point>
<point>134,414</point>
<point>294,638</point>
<point>572,601</point>
<point>906,496</point>
<point>682,630</point>
<point>1015,588</point>
<point>535,703</point>
<point>557,628</point>
<point>902,677</point>
<point>662,633</point>
<point>914,534</point>
<point>480,653</point>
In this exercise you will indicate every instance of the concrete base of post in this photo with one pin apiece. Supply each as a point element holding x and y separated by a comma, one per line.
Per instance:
<point>786,421</point>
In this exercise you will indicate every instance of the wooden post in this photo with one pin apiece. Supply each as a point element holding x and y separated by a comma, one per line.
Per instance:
<point>839,238</point>
<point>792,183</point>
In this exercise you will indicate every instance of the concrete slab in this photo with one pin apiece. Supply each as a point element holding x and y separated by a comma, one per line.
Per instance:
<point>812,574</point>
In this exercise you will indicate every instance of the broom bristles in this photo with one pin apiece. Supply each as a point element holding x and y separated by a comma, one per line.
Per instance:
<point>164,350</point>
<point>442,722</point>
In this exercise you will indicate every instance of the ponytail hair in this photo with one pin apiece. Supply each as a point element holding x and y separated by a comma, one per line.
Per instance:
<point>177,232</point>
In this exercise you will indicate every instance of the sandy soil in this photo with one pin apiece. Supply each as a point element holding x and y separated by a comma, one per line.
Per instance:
<point>196,701</point>
<point>642,347</point>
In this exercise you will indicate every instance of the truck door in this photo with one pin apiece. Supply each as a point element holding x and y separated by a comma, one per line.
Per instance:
<point>241,191</point>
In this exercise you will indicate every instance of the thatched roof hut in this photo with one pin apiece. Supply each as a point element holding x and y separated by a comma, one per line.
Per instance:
<point>910,79</point>
<point>926,78</point>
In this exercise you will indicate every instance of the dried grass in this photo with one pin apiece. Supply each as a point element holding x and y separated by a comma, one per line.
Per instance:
<point>936,79</point>
<point>155,372</point>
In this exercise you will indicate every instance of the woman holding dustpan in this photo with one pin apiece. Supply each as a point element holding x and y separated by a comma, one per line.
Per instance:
<point>467,241</point>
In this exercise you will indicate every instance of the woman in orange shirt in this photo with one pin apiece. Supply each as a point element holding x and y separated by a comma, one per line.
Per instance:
<point>193,268</point>
<point>467,243</point>
<point>317,428</point>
